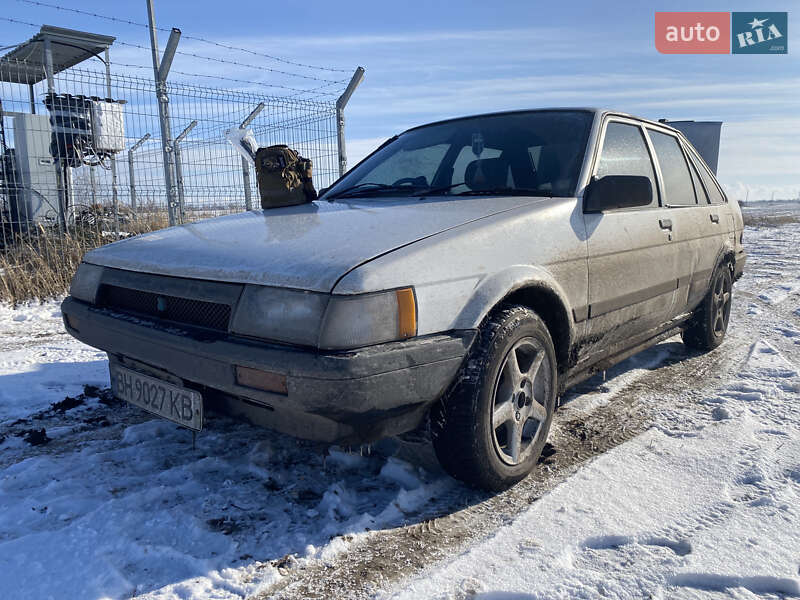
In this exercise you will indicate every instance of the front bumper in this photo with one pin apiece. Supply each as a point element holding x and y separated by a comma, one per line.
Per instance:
<point>352,397</point>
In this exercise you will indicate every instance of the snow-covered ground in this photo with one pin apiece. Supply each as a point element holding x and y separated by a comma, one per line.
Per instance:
<point>704,503</point>
<point>116,504</point>
<point>711,507</point>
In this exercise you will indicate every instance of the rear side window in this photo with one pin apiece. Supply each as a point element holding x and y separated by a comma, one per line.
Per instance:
<point>625,152</point>
<point>702,197</point>
<point>678,188</point>
<point>714,195</point>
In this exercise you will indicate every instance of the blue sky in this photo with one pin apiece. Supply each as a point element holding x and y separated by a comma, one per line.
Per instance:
<point>431,60</point>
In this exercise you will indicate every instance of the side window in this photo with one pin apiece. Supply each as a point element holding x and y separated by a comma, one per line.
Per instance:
<point>714,195</point>
<point>678,188</point>
<point>625,152</point>
<point>702,197</point>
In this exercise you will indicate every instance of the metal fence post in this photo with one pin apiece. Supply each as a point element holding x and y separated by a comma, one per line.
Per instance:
<point>160,71</point>
<point>357,78</point>
<point>179,168</point>
<point>92,185</point>
<point>248,195</point>
<point>61,189</point>
<point>114,189</point>
<point>132,172</point>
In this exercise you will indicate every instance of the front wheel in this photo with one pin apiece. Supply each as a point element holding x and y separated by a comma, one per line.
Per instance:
<point>708,325</point>
<point>490,429</point>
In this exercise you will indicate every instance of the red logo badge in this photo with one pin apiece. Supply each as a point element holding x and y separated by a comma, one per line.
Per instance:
<point>693,32</point>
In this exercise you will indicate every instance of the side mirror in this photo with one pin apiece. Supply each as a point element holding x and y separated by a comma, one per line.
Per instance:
<point>617,191</point>
<point>322,191</point>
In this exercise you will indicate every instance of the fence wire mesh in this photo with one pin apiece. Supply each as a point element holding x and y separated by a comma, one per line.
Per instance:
<point>81,161</point>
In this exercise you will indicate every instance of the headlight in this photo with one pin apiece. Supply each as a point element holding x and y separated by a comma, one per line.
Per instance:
<point>86,282</point>
<point>363,320</point>
<point>326,321</point>
<point>279,314</point>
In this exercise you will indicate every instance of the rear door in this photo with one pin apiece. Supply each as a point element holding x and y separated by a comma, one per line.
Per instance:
<point>695,229</point>
<point>632,265</point>
<point>679,209</point>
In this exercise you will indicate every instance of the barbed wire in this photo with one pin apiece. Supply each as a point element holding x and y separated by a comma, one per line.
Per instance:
<point>186,36</point>
<point>235,62</point>
<point>327,82</point>
<point>313,91</point>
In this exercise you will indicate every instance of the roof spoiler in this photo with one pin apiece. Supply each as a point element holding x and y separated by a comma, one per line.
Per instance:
<point>704,136</point>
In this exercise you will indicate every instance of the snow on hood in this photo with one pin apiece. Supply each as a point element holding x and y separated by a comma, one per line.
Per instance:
<point>306,247</point>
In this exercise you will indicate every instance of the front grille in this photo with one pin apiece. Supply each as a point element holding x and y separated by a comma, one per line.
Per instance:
<point>213,315</point>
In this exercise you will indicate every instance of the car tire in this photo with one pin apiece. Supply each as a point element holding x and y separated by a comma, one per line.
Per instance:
<point>490,428</point>
<point>708,324</point>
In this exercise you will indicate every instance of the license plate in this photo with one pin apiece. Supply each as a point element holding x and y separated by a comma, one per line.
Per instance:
<point>180,405</point>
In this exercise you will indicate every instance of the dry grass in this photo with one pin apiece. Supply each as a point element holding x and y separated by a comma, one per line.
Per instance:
<point>39,264</point>
<point>766,220</point>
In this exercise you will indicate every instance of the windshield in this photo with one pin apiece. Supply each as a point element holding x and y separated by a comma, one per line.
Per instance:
<point>535,153</point>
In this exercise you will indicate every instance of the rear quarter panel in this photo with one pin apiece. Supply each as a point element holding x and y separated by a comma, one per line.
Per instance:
<point>737,219</point>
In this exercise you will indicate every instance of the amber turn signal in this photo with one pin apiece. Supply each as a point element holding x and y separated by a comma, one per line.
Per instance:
<point>261,380</point>
<point>406,313</point>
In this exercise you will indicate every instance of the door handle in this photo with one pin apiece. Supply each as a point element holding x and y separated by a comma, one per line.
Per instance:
<point>714,218</point>
<point>665,223</point>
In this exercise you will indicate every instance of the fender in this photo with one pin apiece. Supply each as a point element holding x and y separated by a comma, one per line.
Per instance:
<point>726,253</point>
<point>494,289</point>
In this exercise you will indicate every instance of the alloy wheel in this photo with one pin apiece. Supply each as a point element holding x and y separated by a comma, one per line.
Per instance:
<point>518,408</point>
<point>721,304</point>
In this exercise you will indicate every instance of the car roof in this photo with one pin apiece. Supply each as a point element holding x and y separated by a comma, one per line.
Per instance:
<point>600,112</point>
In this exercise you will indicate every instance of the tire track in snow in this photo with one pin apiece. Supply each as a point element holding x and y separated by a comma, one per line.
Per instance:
<point>386,557</point>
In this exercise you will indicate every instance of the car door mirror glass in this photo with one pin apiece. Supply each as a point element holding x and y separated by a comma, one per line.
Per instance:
<point>617,191</point>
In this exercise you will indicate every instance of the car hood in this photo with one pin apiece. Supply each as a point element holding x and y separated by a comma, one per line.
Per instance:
<point>306,247</point>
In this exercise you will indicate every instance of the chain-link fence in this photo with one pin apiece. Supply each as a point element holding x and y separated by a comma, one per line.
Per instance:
<point>81,160</point>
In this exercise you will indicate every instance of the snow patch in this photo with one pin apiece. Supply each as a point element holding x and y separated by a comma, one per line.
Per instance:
<point>345,459</point>
<point>780,292</point>
<point>402,473</point>
<point>765,361</point>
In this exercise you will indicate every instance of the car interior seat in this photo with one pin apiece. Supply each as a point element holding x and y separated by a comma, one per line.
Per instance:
<point>488,174</point>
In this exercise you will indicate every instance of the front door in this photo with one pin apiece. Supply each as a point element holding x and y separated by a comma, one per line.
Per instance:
<point>632,265</point>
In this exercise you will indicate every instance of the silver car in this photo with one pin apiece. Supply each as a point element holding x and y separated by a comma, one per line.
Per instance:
<point>460,278</point>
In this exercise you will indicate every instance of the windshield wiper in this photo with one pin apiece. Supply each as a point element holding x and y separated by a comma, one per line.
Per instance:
<point>369,187</point>
<point>507,191</point>
<point>437,190</point>
<point>503,192</point>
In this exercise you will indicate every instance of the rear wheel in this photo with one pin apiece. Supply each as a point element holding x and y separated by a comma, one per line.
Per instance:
<point>708,325</point>
<point>489,431</point>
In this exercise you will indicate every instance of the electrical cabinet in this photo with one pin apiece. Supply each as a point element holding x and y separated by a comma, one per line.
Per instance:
<point>36,168</point>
